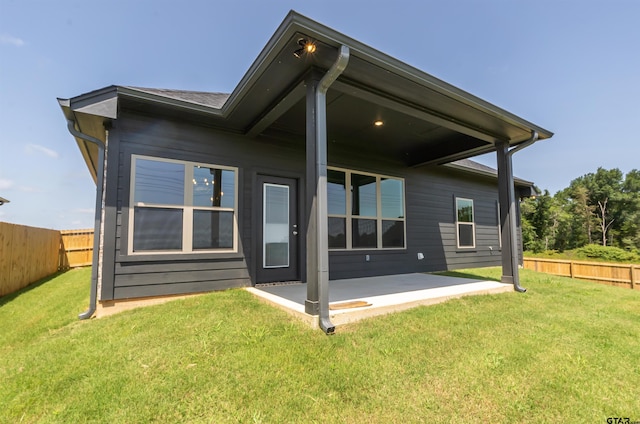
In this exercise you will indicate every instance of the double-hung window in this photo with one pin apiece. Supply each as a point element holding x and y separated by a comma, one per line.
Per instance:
<point>366,211</point>
<point>466,227</point>
<point>182,207</point>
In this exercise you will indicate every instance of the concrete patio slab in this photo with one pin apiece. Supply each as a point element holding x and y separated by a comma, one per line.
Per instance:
<point>381,294</point>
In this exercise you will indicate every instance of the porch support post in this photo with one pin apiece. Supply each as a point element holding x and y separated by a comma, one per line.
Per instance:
<point>311,304</point>
<point>317,208</point>
<point>508,223</point>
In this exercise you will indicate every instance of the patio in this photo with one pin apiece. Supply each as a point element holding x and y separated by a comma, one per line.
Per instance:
<point>351,300</point>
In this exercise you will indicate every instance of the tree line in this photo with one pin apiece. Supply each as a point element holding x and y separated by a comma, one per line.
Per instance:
<point>597,208</point>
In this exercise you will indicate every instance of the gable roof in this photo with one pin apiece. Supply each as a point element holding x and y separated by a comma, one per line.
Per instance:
<point>427,121</point>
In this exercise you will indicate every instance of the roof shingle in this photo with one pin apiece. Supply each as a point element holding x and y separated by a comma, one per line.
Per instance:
<point>216,100</point>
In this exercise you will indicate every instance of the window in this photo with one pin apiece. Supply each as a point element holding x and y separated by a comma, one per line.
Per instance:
<point>369,215</point>
<point>181,207</point>
<point>466,232</point>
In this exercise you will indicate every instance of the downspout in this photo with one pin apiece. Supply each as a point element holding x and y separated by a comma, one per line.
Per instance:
<point>98,213</point>
<point>321,194</point>
<point>512,214</point>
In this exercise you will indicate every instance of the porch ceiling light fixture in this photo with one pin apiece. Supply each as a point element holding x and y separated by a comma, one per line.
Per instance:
<point>378,123</point>
<point>306,46</point>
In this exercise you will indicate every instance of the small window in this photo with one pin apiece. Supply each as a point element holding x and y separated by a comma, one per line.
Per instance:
<point>466,231</point>
<point>181,207</point>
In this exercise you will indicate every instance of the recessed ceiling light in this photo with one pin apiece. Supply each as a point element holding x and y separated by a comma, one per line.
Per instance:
<point>378,123</point>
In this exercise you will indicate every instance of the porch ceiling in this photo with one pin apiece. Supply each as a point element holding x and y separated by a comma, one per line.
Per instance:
<point>350,125</point>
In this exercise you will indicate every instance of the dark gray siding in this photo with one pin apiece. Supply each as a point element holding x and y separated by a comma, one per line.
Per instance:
<point>152,275</point>
<point>430,211</point>
<point>430,220</point>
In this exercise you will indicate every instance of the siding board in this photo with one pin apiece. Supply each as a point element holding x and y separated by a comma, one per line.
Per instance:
<point>169,289</point>
<point>127,280</point>
<point>429,201</point>
<point>123,268</point>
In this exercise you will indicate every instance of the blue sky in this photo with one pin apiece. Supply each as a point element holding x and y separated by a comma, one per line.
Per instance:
<point>572,67</point>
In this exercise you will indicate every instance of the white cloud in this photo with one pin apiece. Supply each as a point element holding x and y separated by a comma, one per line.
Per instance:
<point>5,184</point>
<point>29,189</point>
<point>13,41</point>
<point>32,148</point>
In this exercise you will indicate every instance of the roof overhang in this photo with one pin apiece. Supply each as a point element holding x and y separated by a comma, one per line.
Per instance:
<point>426,120</point>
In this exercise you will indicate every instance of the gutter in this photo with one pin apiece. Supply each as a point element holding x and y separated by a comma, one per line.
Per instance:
<point>512,213</point>
<point>321,206</point>
<point>98,214</point>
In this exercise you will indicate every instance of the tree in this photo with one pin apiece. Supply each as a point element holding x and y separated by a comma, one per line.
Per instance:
<point>630,216</point>
<point>604,206</point>
<point>598,198</point>
<point>535,218</point>
<point>578,203</point>
<point>542,219</point>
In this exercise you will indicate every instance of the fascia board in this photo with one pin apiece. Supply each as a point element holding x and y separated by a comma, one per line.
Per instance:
<point>65,105</point>
<point>493,175</point>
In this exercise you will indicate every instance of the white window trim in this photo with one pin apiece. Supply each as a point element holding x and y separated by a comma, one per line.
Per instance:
<point>472,223</point>
<point>379,218</point>
<point>187,208</point>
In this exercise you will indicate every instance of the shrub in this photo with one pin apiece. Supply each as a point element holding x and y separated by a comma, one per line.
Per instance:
<point>607,253</point>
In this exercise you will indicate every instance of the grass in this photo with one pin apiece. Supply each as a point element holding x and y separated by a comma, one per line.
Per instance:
<point>566,351</point>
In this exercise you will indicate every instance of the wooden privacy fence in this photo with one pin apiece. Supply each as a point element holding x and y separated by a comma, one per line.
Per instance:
<point>621,275</point>
<point>76,248</point>
<point>28,254</point>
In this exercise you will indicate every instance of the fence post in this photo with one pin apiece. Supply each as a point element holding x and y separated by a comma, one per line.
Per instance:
<point>571,268</point>
<point>633,281</point>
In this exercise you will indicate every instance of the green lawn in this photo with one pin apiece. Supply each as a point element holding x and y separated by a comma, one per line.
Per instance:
<point>566,351</point>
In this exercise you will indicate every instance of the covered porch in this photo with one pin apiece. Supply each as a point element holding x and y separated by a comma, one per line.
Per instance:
<point>313,98</point>
<point>354,299</point>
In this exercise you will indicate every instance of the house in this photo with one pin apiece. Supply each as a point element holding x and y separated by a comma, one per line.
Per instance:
<point>330,159</point>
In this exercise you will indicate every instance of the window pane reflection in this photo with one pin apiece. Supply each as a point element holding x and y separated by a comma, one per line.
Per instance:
<point>157,229</point>
<point>336,192</point>
<point>364,233</point>
<point>465,210</point>
<point>337,233</point>
<point>159,182</point>
<point>391,197</point>
<point>363,198</point>
<point>213,187</point>
<point>392,233</point>
<point>212,229</point>
<point>465,235</point>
